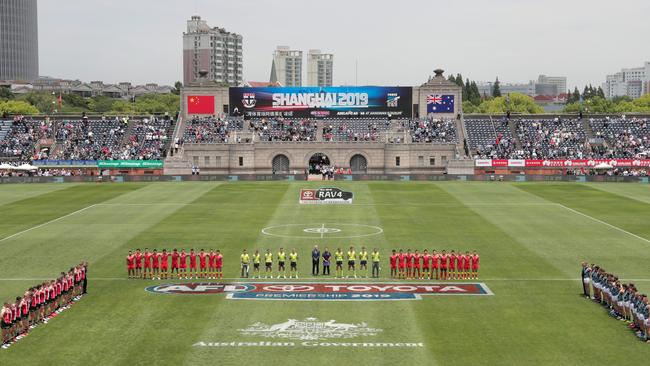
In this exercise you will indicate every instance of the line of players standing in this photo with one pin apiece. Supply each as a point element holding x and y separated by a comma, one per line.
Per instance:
<point>41,303</point>
<point>209,265</point>
<point>441,266</point>
<point>155,265</point>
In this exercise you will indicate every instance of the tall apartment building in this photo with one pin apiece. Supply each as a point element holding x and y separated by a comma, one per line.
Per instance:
<point>18,40</point>
<point>212,50</point>
<point>633,82</point>
<point>320,68</point>
<point>558,81</point>
<point>287,66</point>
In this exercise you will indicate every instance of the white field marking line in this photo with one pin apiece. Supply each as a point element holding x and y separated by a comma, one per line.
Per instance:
<point>325,280</point>
<point>47,223</point>
<point>605,223</point>
<point>488,204</point>
<point>322,231</point>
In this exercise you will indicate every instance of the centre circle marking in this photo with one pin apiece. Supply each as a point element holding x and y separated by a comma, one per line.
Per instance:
<point>323,230</point>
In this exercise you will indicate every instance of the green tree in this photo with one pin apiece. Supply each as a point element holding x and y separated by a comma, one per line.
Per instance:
<point>621,98</point>
<point>17,107</point>
<point>519,103</point>
<point>100,104</point>
<point>5,93</point>
<point>74,100</point>
<point>474,94</point>
<point>496,89</point>
<point>44,102</point>
<point>177,88</point>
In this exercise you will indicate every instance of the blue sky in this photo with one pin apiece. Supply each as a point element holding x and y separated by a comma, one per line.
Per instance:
<point>394,42</point>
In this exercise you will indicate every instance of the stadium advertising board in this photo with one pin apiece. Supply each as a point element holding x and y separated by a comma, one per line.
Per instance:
<point>65,163</point>
<point>566,163</point>
<point>305,291</point>
<point>325,196</point>
<point>120,164</point>
<point>325,102</point>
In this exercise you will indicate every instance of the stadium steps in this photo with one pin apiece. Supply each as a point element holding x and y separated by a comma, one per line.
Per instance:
<point>5,126</point>
<point>127,134</point>
<point>589,132</point>
<point>513,133</point>
<point>461,137</point>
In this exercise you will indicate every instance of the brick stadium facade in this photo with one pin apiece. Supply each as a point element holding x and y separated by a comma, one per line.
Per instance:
<point>382,156</point>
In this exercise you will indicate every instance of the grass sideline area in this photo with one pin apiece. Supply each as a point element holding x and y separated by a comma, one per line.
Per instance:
<point>531,237</point>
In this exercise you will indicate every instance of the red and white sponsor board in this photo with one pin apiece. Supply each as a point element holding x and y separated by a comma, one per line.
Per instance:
<point>560,163</point>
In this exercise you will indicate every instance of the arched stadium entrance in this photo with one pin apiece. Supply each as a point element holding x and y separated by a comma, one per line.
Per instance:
<point>359,164</point>
<point>280,164</point>
<point>316,161</point>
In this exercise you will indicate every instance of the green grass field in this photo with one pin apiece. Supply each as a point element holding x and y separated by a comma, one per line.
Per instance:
<point>531,237</point>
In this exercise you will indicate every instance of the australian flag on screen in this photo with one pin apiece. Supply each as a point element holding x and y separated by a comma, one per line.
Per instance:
<point>437,103</point>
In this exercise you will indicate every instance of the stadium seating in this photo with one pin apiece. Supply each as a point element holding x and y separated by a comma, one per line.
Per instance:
<point>20,139</point>
<point>210,130</point>
<point>623,137</point>
<point>148,139</point>
<point>490,138</point>
<point>487,137</point>
<point>281,129</point>
<point>551,138</point>
<point>88,139</point>
<point>354,130</point>
<point>432,130</point>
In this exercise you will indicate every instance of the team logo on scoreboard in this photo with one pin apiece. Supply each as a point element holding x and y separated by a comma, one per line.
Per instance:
<point>392,100</point>
<point>248,100</point>
<point>324,196</point>
<point>309,329</point>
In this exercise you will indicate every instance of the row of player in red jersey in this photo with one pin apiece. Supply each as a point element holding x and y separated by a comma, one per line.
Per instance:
<point>41,303</point>
<point>156,265</point>
<point>434,265</point>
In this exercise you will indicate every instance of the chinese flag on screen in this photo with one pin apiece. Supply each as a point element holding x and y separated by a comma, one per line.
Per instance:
<point>200,104</point>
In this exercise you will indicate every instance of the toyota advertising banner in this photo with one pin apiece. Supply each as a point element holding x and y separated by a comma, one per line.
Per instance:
<point>560,163</point>
<point>325,102</point>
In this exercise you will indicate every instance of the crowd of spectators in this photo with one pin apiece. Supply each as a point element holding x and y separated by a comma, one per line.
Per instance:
<point>354,130</point>
<point>211,130</point>
<point>432,130</point>
<point>285,130</point>
<point>560,138</point>
<point>148,139</point>
<point>556,138</point>
<point>623,137</point>
<point>88,139</point>
<point>21,139</point>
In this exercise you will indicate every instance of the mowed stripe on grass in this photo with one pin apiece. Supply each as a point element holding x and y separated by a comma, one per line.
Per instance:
<point>543,323</point>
